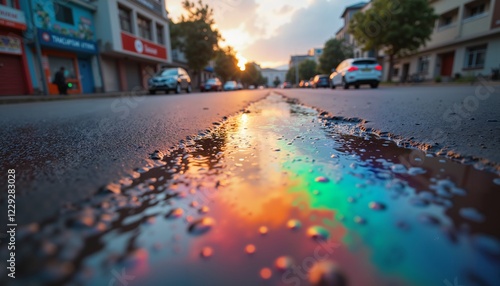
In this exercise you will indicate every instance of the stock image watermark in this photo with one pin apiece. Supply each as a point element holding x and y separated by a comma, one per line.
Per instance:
<point>11,222</point>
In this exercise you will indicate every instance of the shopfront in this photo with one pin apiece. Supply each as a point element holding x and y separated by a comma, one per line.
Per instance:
<point>75,55</point>
<point>66,35</point>
<point>14,73</point>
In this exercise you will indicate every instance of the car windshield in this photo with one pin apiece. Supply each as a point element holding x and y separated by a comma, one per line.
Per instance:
<point>212,80</point>
<point>364,62</point>
<point>230,83</point>
<point>167,72</point>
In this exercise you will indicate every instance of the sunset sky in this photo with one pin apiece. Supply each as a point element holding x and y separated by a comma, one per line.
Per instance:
<point>269,31</point>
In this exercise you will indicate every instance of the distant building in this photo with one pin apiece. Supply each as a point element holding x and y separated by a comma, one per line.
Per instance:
<point>316,53</point>
<point>465,41</point>
<point>296,60</point>
<point>271,74</point>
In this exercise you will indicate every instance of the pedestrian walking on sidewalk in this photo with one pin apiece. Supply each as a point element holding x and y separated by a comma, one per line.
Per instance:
<point>60,81</point>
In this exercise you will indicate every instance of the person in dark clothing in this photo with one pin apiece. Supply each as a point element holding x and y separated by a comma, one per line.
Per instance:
<point>60,81</point>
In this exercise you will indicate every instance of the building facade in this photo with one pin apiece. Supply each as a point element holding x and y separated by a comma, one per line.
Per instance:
<point>134,41</point>
<point>62,34</point>
<point>465,42</point>
<point>14,72</point>
<point>271,74</point>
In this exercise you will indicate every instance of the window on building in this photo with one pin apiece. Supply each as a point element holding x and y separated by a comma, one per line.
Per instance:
<point>125,15</point>
<point>474,9</point>
<point>63,14</point>
<point>475,57</point>
<point>144,26</point>
<point>159,34</point>
<point>395,72</point>
<point>423,65</point>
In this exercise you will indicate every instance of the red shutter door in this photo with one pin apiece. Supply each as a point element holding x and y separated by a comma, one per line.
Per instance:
<point>12,81</point>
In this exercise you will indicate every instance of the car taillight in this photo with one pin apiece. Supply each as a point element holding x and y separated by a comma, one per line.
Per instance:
<point>353,68</point>
<point>378,68</point>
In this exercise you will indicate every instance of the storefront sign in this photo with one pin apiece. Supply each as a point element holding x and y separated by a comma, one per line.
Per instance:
<point>59,41</point>
<point>10,45</point>
<point>139,46</point>
<point>12,18</point>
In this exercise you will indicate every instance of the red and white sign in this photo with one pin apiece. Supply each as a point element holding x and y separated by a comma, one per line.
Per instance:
<point>143,47</point>
<point>12,18</point>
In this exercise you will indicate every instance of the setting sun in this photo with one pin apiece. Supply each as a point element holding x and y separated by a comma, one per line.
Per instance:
<point>241,61</point>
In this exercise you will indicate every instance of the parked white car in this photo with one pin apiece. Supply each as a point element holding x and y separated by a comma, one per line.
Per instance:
<point>357,72</point>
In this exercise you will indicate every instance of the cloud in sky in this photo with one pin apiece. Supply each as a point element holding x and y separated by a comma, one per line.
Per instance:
<point>268,32</point>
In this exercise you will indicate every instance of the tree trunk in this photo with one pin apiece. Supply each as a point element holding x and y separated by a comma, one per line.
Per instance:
<point>391,67</point>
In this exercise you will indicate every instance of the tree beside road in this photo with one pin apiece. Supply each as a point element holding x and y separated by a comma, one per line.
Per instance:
<point>397,27</point>
<point>334,52</point>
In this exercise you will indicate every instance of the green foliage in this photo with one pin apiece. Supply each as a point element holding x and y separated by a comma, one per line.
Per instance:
<point>252,75</point>
<point>438,79</point>
<point>307,69</point>
<point>195,34</point>
<point>226,64</point>
<point>399,27</point>
<point>290,75</point>
<point>334,52</point>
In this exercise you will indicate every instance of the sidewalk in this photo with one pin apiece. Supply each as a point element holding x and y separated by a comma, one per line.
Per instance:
<point>35,98</point>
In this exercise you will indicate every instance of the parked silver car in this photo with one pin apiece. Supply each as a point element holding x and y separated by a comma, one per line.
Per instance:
<point>356,72</point>
<point>176,79</point>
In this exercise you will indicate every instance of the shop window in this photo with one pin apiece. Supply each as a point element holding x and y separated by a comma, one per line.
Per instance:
<point>159,34</point>
<point>144,26</point>
<point>125,19</point>
<point>475,57</point>
<point>63,13</point>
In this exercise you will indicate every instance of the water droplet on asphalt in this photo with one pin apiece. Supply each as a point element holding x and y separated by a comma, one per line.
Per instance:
<point>398,168</point>
<point>321,179</point>
<point>418,202</point>
<point>359,220</point>
<point>204,210</point>
<point>293,224</point>
<point>263,230</point>
<point>250,249</point>
<point>326,273</point>
<point>175,213</point>
<point>202,226</point>
<point>471,214</point>
<point>318,232</point>
<point>283,263</point>
<point>206,252</point>
<point>265,273</point>
<point>376,206</point>
<point>487,244</point>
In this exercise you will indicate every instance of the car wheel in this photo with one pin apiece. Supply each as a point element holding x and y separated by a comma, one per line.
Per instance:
<point>152,91</point>
<point>374,85</point>
<point>346,85</point>
<point>178,89</point>
<point>333,86</point>
<point>189,89</point>
<point>356,86</point>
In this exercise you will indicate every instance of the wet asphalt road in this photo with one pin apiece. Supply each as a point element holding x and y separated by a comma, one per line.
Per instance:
<point>463,119</point>
<point>64,151</point>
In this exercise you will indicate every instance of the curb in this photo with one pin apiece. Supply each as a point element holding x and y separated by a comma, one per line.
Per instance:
<point>38,98</point>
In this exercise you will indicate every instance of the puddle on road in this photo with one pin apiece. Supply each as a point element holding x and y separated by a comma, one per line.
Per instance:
<point>273,196</point>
